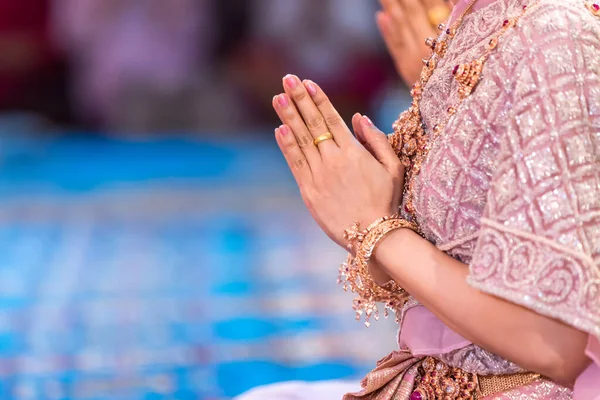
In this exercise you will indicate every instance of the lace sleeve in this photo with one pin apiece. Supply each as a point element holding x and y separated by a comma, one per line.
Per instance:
<point>539,244</point>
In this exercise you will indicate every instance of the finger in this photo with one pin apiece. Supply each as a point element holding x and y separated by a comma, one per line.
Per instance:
<point>358,129</point>
<point>377,143</point>
<point>398,25</point>
<point>418,20</point>
<point>334,121</point>
<point>442,5</point>
<point>391,7</point>
<point>406,52</point>
<point>288,114</point>
<point>294,155</point>
<point>314,120</point>
<point>359,132</point>
<point>394,41</point>
<point>429,4</point>
<point>397,13</point>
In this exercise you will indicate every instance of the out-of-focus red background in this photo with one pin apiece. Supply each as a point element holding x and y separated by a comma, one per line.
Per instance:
<point>193,65</point>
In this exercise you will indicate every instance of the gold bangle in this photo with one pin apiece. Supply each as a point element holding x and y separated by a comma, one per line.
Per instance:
<point>355,276</point>
<point>354,236</point>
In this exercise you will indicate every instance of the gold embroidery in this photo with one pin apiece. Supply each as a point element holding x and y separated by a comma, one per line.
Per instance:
<point>409,139</point>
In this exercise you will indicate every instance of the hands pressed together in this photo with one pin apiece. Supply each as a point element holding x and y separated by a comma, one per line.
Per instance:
<point>350,178</point>
<point>342,180</point>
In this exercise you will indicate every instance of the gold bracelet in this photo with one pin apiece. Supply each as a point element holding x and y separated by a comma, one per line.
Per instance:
<point>355,236</point>
<point>355,276</point>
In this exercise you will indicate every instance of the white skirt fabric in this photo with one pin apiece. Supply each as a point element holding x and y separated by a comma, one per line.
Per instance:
<point>329,390</point>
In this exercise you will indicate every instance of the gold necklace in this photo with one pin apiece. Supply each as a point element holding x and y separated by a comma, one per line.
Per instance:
<point>409,136</point>
<point>409,139</point>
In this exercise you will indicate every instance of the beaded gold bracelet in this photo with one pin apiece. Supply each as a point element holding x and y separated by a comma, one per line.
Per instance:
<point>354,274</point>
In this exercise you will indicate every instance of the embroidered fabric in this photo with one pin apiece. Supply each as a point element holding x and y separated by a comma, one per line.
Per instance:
<point>539,244</point>
<point>512,187</point>
<point>476,360</point>
<point>537,391</point>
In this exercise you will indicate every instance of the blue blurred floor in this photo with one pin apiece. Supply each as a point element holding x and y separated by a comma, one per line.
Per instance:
<point>169,269</point>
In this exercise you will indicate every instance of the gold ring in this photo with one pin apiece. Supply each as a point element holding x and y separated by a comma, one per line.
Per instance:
<point>322,138</point>
<point>438,15</point>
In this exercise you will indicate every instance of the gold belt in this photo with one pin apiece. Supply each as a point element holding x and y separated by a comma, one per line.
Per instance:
<point>437,380</point>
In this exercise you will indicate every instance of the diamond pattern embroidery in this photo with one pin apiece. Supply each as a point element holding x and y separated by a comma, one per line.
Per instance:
<point>519,164</point>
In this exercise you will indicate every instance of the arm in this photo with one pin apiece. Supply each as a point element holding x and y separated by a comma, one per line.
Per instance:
<point>328,177</point>
<point>438,281</point>
<point>328,184</point>
<point>545,263</point>
<point>557,229</point>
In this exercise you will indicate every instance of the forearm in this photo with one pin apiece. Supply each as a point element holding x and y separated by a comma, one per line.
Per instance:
<point>524,337</point>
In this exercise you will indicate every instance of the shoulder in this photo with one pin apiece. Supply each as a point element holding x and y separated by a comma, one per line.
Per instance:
<point>555,42</point>
<point>548,67</point>
<point>561,19</point>
<point>556,12</point>
<point>549,21</point>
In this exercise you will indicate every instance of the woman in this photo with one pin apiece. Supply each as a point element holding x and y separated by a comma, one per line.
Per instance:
<point>496,171</point>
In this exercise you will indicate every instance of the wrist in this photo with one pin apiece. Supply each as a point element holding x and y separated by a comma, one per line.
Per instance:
<point>380,277</point>
<point>356,274</point>
<point>389,248</point>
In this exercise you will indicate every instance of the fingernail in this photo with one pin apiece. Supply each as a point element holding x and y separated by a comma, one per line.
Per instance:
<point>290,81</point>
<point>367,121</point>
<point>311,88</point>
<point>283,101</point>
<point>283,130</point>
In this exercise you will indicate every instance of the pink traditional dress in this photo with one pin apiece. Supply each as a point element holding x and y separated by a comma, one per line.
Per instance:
<point>511,187</point>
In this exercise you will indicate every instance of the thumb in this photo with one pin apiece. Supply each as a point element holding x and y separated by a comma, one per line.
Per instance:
<point>358,129</point>
<point>377,143</point>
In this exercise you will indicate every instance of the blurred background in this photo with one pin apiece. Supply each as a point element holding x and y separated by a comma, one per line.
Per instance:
<point>152,242</point>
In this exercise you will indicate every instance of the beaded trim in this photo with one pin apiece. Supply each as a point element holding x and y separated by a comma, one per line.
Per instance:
<point>437,380</point>
<point>409,140</point>
<point>594,8</point>
<point>354,274</point>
